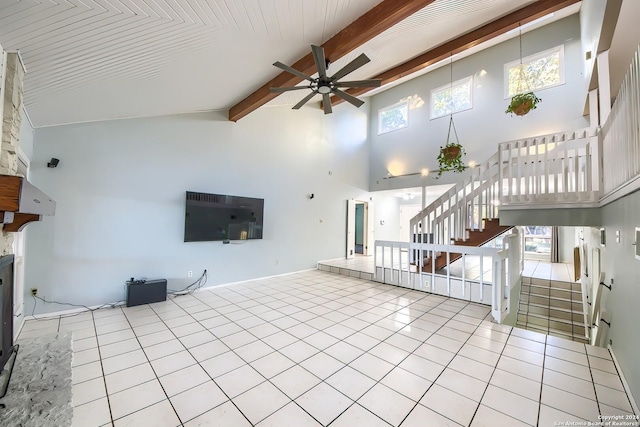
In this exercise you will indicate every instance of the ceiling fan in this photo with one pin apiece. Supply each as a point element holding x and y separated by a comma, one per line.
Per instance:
<point>325,85</point>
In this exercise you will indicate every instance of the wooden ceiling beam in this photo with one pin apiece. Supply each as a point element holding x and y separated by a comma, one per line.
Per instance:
<point>377,20</point>
<point>466,41</point>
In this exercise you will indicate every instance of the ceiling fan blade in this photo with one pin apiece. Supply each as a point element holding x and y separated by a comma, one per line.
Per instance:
<point>326,103</point>
<point>321,62</point>
<point>303,101</point>
<point>350,99</point>
<point>359,83</point>
<point>287,89</point>
<point>351,66</point>
<point>292,71</point>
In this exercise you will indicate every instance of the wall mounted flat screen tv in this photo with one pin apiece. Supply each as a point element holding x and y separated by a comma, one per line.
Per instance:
<point>211,217</point>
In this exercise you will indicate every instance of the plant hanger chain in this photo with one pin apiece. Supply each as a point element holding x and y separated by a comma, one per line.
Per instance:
<point>452,125</point>
<point>521,76</point>
<point>450,85</point>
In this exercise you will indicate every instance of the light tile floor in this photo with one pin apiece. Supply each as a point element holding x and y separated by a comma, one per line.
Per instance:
<point>317,348</point>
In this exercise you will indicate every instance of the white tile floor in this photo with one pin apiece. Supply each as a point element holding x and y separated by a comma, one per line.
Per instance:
<point>317,348</point>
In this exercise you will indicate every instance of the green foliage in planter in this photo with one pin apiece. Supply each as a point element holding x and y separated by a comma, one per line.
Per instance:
<point>522,103</point>
<point>448,162</point>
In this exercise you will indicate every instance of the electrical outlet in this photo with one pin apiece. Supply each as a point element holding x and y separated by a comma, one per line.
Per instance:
<point>34,291</point>
<point>190,273</point>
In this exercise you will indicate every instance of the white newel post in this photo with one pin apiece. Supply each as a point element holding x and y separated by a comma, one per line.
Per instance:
<point>11,92</point>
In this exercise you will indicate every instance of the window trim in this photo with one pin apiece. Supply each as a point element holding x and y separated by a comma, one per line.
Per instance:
<point>531,58</point>
<point>388,108</point>
<point>448,86</point>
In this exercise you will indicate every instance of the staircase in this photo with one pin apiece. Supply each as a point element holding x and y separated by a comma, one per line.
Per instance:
<point>539,172</point>
<point>466,215</point>
<point>553,308</point>
<point>490,230</point>
<point>556,170</point>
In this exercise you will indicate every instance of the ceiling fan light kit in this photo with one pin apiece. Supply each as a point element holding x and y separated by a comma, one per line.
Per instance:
<point>325,85</point>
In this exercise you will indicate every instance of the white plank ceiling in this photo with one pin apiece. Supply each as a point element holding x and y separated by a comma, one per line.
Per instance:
<point>93,60</point>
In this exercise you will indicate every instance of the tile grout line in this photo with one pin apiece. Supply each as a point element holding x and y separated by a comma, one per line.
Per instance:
<point>104,378</point>
<point>593,382</point>
<point>544,361</point>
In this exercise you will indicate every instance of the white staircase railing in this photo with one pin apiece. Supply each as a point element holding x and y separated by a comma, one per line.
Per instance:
<point>498,272</point>
<point>460,209</point>
<point>621,133</point>
<point>551,169</point>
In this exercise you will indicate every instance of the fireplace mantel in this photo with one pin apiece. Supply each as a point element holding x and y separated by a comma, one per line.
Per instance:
<point>22,203</point>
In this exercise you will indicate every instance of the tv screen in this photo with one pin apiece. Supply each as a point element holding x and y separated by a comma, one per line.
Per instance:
<point>211,217</point>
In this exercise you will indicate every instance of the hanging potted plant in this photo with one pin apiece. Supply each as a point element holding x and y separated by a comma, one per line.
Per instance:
<point>522,103</point>
<point>450,158</point>
<point>525,100</point>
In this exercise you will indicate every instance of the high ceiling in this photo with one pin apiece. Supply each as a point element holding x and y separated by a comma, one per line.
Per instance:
<point>90,60</point>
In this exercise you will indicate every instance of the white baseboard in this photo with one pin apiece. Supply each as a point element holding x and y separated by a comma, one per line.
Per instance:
<point>625,384</point>
<point>257,278</point>
<point>74,311</point>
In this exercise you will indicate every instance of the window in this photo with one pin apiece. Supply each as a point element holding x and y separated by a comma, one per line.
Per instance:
<point>539,71</point>
<point>452,98</point>
<point>393,117</point>
<point>537,242</point>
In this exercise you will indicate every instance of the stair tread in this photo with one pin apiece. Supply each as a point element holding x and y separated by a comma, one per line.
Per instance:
<point>555,319</point>
<point>565,310</point>
<point>552,288</point>
<point>556,298</point>
<point>482,237</point>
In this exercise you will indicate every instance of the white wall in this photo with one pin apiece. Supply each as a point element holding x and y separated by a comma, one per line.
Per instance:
<point>591,20</point>
<point>618,263</point>
<point>566,243</point>
<point>483,127</point>
<point>120,190</point>
<point>387,217</point>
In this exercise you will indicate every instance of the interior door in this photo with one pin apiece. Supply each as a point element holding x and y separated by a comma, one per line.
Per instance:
<point>351,229</point>
<point>369,223</point>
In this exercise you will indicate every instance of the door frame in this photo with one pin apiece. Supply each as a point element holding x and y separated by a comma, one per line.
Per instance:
<point>369,223</point>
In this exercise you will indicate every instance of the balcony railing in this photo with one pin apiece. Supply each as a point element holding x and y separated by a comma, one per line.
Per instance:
<point>621,133</point>
<point>551,169</point>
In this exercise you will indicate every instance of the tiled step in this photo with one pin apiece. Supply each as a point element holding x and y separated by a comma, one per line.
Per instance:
<point>560,313</point>
<point>555,284</point>
<point>552,307</point>
<point>557,303</point>
<point>567,326</point>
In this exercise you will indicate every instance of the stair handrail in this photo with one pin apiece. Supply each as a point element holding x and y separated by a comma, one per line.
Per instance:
<point>457,198</point>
